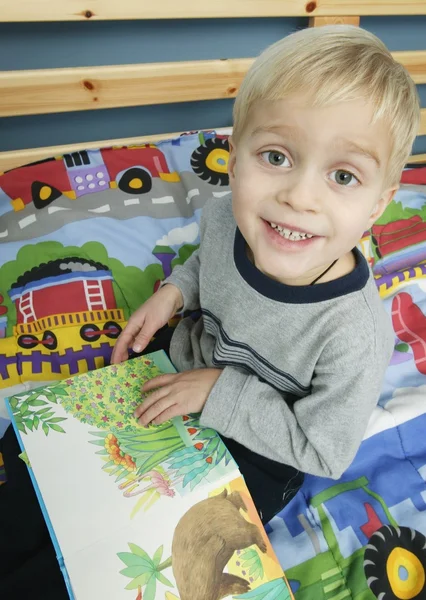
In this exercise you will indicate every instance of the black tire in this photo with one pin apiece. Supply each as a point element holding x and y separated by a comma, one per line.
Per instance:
<point>50,340</point>
<point>44,194</point>
<point>113,328</point>
<point>135,181</point>
<point>210,161</point>
<point>90,333</point>
<point>376,246</point>
<point>395,563</point>
<point>27,341</point>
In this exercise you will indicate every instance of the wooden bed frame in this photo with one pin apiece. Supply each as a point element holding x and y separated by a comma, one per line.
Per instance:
<point>71,89</point>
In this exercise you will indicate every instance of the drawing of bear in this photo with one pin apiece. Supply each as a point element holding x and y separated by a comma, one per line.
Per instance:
<point>204,541</point>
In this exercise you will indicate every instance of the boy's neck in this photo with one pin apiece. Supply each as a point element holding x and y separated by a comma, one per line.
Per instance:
<point>344,265</point>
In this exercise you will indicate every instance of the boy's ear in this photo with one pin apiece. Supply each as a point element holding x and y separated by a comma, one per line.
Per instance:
<point>382,204</point>
<point>232,159</point>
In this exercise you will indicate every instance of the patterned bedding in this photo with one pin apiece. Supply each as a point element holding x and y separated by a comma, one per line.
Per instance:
<point>85,238</point>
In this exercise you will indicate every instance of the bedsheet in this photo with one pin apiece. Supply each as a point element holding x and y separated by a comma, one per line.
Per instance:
<point>85,238</point>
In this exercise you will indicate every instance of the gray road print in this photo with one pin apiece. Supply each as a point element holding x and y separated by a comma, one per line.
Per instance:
<point>164,200</point>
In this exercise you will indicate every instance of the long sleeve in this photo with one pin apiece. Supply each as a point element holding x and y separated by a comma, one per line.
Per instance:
<point>317,434</point>
<point>186,277</point>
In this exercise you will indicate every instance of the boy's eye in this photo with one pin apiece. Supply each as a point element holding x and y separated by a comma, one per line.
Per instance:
<point>344,178</point>
<point>275,158</point>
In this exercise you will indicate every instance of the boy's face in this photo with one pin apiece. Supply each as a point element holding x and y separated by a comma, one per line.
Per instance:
<point>315,170</point>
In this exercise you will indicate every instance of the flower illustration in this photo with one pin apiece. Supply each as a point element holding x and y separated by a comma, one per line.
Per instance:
<point>158,482</point>
<point>112,446</point>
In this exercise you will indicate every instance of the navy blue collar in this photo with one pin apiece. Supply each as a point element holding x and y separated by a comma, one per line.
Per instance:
<point>298,294</point>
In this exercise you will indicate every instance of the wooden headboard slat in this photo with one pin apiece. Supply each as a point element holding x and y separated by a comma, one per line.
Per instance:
<point>89,10</point>
<point>61,90</point>
<point>422,130</point>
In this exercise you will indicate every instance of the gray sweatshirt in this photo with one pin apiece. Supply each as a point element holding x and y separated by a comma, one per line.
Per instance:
<point>302,366</point>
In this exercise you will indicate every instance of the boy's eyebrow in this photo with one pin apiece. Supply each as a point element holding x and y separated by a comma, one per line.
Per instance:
<point>355,148</point>
<point>274,129</point>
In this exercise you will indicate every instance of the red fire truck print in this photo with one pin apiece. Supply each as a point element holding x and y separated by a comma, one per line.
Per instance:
<point>416,176</point>
<point>67,321</point>
<point>397,235</point>
<point>409,324</point>
<point>131,169</point>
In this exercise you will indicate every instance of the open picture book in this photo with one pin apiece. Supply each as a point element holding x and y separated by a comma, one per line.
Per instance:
<point>140,513</point>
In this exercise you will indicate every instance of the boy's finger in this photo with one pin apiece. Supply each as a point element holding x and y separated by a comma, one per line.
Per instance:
<point>124,341</point>
<point>150,401</point>
<point>153,411</point>
<point>118,356</point>
<point>166,415</point>
<point>143,338</point>
<point>157,382</point>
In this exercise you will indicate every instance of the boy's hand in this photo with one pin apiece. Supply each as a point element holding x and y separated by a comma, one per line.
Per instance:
<point>177,394</point>
<point>148,319</point>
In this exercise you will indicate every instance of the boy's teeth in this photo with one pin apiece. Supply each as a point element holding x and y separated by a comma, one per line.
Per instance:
<point>294,236</point>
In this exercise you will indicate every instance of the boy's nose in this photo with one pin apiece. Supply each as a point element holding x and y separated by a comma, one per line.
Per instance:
<point>301,196</point>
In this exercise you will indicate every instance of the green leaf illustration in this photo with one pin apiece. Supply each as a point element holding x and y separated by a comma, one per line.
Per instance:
<point>150,588</point>
<point>139,581</point>
<point>28,423</point>
<point>163,579</point>
<point>131,560</point>
<point>136,571</point>
<point>13,402</point>
<point>156,559</point>
<point>23,408</point>
<point>36,402</point>
<point>45,429</point>
<point>56,427</point>
<point>138,551</point>
<point>43,411</point>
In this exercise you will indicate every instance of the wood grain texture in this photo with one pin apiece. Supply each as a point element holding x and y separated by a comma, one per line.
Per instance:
<point>422,130</point>
<point>321,21</point>
<point>45,91</point>
<point>414,62</point>
<point>418,158</point>
<point>61,90</point>
<point>88,10</point>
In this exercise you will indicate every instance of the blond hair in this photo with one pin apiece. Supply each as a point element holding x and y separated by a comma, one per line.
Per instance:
<point>336,63</point>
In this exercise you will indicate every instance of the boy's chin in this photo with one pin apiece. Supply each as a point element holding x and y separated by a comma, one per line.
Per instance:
<point>285,276</point>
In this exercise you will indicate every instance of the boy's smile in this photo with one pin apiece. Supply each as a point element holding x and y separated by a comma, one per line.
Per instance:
<point>306,183</point>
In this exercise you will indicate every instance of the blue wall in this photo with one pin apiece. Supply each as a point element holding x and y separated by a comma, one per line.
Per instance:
<point>44,45</point>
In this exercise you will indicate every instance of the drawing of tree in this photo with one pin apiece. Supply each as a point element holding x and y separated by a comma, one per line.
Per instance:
<point>144,571</point>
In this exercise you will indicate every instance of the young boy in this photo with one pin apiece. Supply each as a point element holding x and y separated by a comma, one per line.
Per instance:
<point>287,360</point>
<point>288,357</point>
